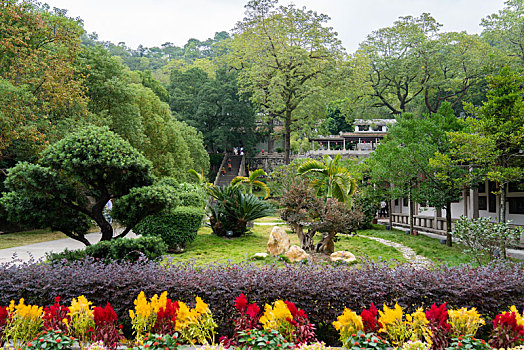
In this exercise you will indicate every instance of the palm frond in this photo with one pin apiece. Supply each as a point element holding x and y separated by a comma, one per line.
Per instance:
<point>263,187</point>
<point>253,175</point>
<point>311,165</point>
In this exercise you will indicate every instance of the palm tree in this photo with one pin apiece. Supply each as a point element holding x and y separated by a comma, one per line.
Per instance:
<point>333,179</point>
<point>251,181</point>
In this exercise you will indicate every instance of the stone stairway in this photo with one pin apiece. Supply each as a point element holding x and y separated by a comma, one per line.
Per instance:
<point>225,180</point>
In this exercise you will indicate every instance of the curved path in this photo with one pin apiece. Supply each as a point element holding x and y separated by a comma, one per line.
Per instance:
<point>407,252</point>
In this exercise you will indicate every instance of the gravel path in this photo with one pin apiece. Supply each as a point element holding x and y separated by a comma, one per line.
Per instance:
<point>407,252</point>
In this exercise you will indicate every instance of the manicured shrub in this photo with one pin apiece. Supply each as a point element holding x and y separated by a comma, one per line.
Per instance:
<point>321,291</point>
<point>122,249</point>
<point>176,228</point>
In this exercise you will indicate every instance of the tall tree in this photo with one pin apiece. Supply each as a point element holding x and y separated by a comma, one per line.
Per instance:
<point>286,56</point>
<point>505,29</point>
<point>41,91</point>
<point>495,138</point>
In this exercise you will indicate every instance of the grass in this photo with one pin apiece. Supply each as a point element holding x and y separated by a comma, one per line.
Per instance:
<point>16,239</point>
<point>208,248</point>
<point>270,219</point>
<point>422,245</point>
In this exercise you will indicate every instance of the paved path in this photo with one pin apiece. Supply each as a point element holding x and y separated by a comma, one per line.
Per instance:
<point>37,251</point>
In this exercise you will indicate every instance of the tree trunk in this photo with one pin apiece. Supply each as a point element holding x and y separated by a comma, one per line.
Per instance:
<point>449,239</point>
<point>503,187</point>
<point>306,242</point>
<point>411,214</point>
<point>326,244</point>
<point>105,227</point>
<point>270,141</point>
<point>287,137</point>
<point>390,212</point>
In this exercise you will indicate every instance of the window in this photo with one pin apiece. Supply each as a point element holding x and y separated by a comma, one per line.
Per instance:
<point>405,202</point>
<point>482,187</point>
<point>492,199</point>
<point>516,187</point>
<point>483,203</point>
<point>396,202</point>
<point>516,205</point>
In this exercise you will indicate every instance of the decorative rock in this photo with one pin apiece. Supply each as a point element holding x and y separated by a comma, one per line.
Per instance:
<point>260,255</point>
<point>295,254</point>
<point>343,256</point>
<point>278,241</point>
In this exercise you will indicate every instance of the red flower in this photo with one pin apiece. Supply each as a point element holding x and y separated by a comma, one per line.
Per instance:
<point>253,310</point>
<point>370,320</point>
<point>459,344</point>
<point>267,342</point>
<point>58,340</point>
<point>241,303</point>
<point>155,343</point>
<point>292,308</point>
<point>438,317</point>
<point>29,344</point>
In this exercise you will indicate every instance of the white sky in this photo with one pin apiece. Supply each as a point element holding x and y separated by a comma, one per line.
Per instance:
<point>154,22</point>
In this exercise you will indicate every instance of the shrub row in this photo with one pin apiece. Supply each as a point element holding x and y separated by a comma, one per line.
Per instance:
<point>122,249</point>
<point>321,291</point>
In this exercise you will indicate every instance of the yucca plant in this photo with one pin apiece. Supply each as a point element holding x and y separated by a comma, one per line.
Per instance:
<point>232,210</point>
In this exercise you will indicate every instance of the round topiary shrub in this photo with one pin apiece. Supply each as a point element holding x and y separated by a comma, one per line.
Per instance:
<point>177,227</point>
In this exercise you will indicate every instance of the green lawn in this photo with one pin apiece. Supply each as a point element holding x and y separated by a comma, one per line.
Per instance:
<point>208,248</point>
<point>422,245</point>
<point>16,239</point>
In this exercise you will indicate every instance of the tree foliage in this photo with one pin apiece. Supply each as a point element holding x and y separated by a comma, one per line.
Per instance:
<point>40,90</point>
<point>74,180</point>
<point>287,57</point>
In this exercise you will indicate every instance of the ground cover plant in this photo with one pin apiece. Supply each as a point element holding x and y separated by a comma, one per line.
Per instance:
<point>322,291</point>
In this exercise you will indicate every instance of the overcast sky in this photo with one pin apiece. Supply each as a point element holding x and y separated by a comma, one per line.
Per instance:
<point>154,22</point>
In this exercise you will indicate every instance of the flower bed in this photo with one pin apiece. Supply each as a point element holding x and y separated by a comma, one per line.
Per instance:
<point>321,291</point>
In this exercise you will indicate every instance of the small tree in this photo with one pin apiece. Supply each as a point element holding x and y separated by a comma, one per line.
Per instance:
<point>302,208</point>
<point>74,180</point>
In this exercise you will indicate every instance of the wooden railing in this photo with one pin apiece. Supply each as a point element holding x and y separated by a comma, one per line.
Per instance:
<point>423,223</point>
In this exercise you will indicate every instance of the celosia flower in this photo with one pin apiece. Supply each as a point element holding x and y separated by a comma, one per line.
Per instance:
<point>390,316</point>
<point>183,316</point>
<point>464,321</point>
<point>253,310</point>
<point>369,319</point>
<point>348,323</point>
<point>80,306</point>
<point>241,303</point>
<point>438,316</point>
<point>201,307</point>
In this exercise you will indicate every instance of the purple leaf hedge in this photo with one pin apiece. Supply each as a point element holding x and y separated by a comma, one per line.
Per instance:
<point>322,291</point>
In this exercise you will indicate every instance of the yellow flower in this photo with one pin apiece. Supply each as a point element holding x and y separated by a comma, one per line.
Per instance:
<point>390,316</point>
<point>276,316</point>
<point>418,321</point>
<point>183,316</point>
<point>80,306</point>
<point>520,317</point>
<point>464,321</point>
<point>393,325</point>
<point>142,307</point>
<point>201,307</point>
<point>348,323</point>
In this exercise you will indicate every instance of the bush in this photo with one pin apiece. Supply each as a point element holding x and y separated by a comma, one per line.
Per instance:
<point>484,239</point>
<point>176,228</point>
<point>192,199</point>
<point>122,249</point>
<point>321,291</point>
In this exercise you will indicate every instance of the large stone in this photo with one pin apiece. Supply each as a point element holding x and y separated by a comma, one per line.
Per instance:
<point>260,256</point>
<point>343,256</point>
<point>295,254</point>
<point>278,241</point>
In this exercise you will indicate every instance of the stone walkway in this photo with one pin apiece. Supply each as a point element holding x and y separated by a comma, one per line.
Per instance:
<point>408,253</point>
